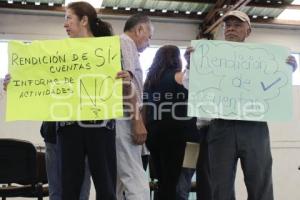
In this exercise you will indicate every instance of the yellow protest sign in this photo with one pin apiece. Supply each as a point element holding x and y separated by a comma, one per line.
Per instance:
<point>65,80</point>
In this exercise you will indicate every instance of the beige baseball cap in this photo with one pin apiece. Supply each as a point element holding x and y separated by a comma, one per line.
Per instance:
<point>239,14</point>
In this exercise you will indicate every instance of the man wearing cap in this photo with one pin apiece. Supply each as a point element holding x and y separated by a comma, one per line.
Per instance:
<point>230,140</point>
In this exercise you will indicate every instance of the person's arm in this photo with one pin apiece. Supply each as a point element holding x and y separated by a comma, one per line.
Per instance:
<point>187,55</point>
<point>182,78</point>
<point>126,78</point>
<point>138,127</point>
<point>139,132</point>
<point>179,77</point>
<point>185,77</point>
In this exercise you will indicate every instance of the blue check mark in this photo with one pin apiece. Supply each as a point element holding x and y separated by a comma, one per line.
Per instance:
<point>265,88</point>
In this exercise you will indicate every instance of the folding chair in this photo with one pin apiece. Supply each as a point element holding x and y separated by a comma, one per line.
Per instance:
<point>19,170</point>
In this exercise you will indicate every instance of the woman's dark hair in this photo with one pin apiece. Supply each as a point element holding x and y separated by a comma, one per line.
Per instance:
<point>167,58</point>
<point>98,27</point>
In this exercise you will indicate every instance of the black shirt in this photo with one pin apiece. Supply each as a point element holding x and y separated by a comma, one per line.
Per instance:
<point>166,105</point>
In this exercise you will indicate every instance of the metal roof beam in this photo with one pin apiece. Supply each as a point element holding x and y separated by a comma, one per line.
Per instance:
<point>236,6</point>
<point>211,14</point>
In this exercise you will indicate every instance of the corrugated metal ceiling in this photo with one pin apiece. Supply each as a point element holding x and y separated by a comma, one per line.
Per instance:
<point>269,8</point>
<point>260,11</point>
